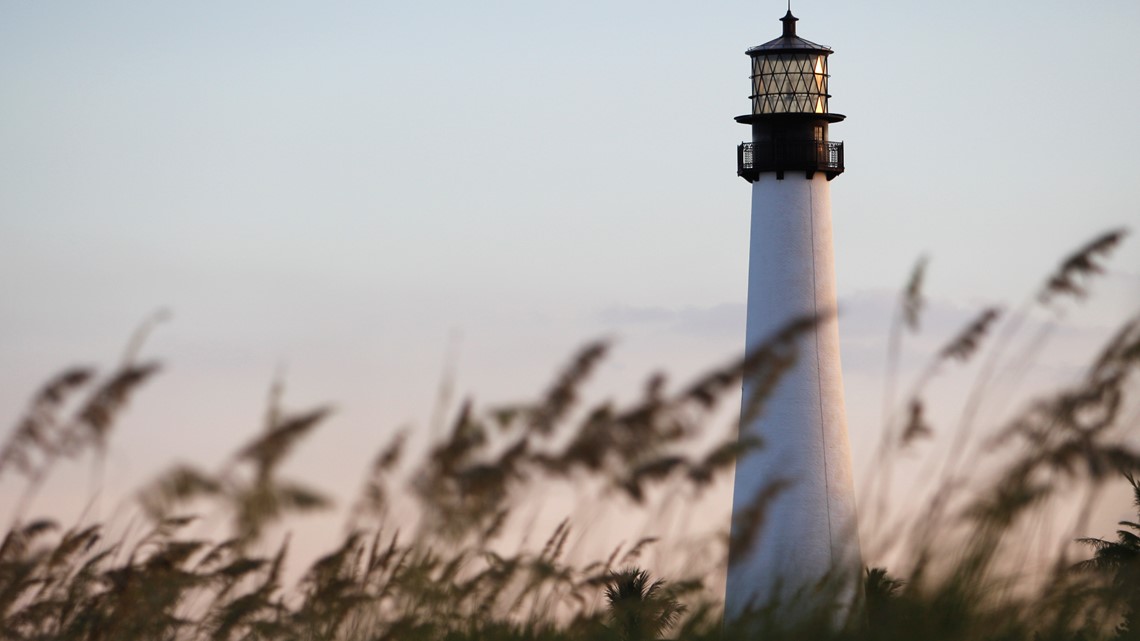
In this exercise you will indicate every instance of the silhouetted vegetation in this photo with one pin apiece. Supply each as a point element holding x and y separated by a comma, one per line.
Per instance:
<point>431,550</point>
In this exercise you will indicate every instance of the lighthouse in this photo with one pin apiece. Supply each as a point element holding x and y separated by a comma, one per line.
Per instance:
<point>805,554</point>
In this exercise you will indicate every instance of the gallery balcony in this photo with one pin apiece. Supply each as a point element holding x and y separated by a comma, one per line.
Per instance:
<point>809,156</point>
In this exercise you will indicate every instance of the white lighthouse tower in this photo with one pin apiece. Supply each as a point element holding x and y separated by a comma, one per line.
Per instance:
<point>806,552</point>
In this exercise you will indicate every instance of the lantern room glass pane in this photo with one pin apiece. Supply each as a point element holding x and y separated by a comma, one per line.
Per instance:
<point>789,83</point>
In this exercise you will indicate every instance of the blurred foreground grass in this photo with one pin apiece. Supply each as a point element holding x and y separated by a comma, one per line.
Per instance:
<point>426,557</point>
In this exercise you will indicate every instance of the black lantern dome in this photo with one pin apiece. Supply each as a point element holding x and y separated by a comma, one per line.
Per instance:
<point>789,115</point>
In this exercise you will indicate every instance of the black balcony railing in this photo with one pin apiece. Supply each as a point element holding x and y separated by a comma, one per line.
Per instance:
<point>779,156</point>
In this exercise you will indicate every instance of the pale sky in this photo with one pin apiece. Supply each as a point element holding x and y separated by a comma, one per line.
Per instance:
<point>341,190</point>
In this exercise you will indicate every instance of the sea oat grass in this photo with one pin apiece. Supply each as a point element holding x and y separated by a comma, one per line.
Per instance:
<point>431,549</point>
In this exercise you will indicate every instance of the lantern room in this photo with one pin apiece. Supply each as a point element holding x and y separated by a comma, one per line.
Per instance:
<point>789,74</point>
<point>790,114</point>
